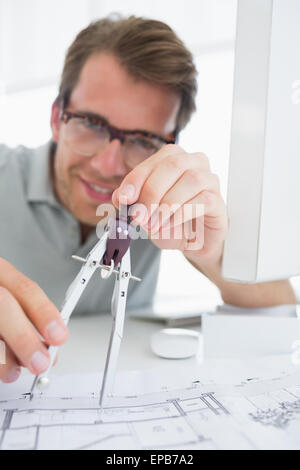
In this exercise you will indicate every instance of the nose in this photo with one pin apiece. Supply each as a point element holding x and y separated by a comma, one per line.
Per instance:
<point>109,161</point>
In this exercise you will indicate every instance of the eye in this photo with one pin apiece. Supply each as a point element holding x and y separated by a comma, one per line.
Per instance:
<point>143,143</point>
<point>91,125</point>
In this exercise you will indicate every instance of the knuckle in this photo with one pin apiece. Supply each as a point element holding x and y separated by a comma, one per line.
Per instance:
<point>203,158</point>
<point>172,148</point>
<point>174,162</point>
<point>216,180</point>
<point>25,344</point>
<point>196,177</point>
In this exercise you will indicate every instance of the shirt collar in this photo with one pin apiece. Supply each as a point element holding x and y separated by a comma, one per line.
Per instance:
<point>40,184</point>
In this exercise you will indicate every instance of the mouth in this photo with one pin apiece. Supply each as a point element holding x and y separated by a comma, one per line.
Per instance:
<point>97,191</point>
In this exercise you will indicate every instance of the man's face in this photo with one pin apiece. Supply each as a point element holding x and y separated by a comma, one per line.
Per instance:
<point>105,88</point>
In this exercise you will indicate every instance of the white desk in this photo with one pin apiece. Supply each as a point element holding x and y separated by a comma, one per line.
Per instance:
<point>86,349</point>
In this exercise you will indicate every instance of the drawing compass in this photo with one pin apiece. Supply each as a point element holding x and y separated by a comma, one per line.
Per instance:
<point>110,255</point>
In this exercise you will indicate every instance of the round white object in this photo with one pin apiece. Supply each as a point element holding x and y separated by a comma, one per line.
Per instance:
<point>175,343</point>
<point>43,383</point>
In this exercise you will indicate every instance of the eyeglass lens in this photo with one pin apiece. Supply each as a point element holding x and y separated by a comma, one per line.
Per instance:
<point>86,138</point>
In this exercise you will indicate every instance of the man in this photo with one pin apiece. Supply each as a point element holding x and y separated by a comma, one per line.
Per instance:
<point>127,89</point>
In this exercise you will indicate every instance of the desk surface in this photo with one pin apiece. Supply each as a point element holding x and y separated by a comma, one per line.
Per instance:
<point>86,348</point>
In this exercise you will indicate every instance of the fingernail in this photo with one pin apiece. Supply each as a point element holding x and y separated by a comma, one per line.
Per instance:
<point>55,331</point>
<point>128,191</point>
<point>14,375</point>
<point>39,362</point>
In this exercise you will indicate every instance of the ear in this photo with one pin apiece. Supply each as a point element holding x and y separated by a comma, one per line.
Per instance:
<point>55,121</point>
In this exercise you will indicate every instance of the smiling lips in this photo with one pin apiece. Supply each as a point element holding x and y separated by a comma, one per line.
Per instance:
<point>99,189</point>
<point>97,192</point>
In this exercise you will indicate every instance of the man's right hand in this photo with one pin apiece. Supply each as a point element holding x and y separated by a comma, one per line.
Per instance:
<point>25,313</point>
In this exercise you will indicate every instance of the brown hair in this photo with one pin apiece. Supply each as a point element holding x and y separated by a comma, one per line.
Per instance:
<point>148,49</point>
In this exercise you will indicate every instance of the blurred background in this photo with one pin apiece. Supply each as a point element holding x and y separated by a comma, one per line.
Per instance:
<point>34,36</point>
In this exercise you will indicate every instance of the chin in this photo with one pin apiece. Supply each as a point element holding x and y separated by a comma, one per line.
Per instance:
<point>86,211</point>
<point>84,215</point>
<point>91,220</point>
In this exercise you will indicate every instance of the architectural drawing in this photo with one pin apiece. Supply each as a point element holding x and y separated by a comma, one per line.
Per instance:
<point>253,414</point>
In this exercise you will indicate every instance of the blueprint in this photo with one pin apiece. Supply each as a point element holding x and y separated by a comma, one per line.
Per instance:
<point>190,411</point>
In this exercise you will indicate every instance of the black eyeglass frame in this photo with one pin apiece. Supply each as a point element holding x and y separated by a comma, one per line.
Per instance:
<point>114,132</point>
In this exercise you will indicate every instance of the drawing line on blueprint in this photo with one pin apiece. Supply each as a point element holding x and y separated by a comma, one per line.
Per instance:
<point>175,413</point>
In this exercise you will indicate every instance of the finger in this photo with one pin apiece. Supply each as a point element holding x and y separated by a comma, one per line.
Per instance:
<point>19,334</point>
<point>165,177</point>
<point>129,190</point>
<point>183,194</point>
<point>34,302</point>
<point>135,180</point>
<point>56,357</point>
<point>205,204</point>
<point>204,214</point>
<point>10,371</point>
<point>205,232</point>
<point>181,237</point>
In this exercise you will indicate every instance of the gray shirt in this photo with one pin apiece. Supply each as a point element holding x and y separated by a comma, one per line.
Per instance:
<point>39,236</point>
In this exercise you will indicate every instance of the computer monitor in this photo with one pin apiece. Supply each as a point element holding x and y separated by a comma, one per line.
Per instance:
<point>263,199</point>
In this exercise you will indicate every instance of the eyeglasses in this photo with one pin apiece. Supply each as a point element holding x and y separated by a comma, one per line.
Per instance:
<point>87,134</point>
